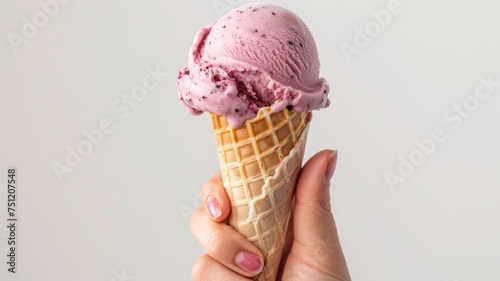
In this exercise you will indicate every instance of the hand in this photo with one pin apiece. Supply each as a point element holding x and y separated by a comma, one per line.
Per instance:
<point>312,249</point>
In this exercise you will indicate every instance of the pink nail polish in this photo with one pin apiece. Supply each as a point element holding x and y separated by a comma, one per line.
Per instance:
<point>213,207</point>
<point>249,262</point>
<point>331,165</point>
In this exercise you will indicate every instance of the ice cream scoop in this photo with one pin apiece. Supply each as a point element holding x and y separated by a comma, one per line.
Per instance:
<point>259,55</point>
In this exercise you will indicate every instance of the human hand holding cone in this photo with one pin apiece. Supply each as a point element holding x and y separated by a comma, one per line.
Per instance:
<point>256,70</point>
<point>260,162</point>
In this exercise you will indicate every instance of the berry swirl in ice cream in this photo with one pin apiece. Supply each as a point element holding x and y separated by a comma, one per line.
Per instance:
<point>259,55</point>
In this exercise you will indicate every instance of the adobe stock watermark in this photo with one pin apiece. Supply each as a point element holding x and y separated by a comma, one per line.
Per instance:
<point>454,117</point>
<point>187,210</point>
<point>362,37</point>
<point>223,6</point>
<point>31,26</point>
<point>121,107</point>
<point>121,276</point>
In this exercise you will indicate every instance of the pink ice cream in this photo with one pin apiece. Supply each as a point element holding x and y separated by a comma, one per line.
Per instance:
<point>256,56</point>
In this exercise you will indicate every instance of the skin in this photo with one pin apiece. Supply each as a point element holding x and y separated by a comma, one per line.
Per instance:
<point>312,250</point>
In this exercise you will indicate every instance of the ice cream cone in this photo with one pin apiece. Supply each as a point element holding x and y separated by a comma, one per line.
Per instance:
<point>260,162</point>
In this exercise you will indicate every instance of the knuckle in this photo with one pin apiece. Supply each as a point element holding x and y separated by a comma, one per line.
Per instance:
<point>200,268</point>
<point>324,201</point>
<point>195,219</point>
<point>216,242</point>
<point>205,190</point>
<point>210,186</point>
<point>326,253</point>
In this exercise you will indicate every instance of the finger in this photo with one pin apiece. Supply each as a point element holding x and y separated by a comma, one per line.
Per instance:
<point>226,245</point>
<point>314,225</point>
<point>208,269</point>
<point>215,199</point>
<point>313,219</point>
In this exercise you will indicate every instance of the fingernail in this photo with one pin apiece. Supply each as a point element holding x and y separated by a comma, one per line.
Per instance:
<point>331,164</point>
<point>213,207</point>
<point>249,262</point>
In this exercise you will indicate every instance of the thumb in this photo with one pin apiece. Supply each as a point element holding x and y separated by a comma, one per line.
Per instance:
<point>314,226</point>
<point>315,240</point>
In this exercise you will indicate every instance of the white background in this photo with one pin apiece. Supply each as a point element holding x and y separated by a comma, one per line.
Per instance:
<point>121,213</point>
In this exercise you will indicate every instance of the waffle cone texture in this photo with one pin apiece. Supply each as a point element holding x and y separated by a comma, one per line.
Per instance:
<point>260,162</point>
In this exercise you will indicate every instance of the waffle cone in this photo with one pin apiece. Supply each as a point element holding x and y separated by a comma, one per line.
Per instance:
<point>260,162</point>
